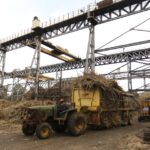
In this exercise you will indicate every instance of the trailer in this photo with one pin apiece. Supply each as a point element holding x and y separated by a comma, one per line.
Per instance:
<point>144,114</point>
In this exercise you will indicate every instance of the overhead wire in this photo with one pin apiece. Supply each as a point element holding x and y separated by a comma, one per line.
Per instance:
<point>123,34</point>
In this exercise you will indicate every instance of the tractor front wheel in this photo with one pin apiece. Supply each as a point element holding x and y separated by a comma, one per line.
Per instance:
<point>44,131</point>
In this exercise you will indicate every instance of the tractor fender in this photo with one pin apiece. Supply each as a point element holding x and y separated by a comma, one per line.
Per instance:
<point>70,112</point>
<point>66,115</point>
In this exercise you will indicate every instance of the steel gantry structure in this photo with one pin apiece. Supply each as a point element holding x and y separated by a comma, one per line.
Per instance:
<point>72,23</point>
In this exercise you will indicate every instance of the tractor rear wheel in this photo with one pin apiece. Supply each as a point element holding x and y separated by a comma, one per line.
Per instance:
<point>28,130</point>
<point>77,124</point>
<point>44,131</point>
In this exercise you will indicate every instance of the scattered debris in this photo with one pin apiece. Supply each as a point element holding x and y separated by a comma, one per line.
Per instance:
<point>10,112</point>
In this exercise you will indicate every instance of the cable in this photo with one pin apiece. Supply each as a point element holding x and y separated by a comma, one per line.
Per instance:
<point>122,46</point>
<point>141,30</point>
<point>123,33</point>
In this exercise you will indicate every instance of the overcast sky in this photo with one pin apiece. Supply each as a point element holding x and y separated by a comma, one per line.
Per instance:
<point>17,15</point>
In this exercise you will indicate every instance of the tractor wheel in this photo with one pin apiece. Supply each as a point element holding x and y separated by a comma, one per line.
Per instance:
<point>44,131</point>
<point>77,124</point>
<point>28,130</point>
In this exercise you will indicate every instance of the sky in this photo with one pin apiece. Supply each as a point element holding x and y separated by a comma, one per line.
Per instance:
<point>17,15</point>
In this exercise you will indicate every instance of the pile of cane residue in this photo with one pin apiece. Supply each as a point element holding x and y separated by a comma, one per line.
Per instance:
<point>10,111</point>
<point>134,142</point>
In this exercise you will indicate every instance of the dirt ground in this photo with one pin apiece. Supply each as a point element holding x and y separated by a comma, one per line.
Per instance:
<point>122,138</point>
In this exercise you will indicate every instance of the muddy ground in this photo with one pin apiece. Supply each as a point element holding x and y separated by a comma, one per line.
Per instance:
<point>122,138</point>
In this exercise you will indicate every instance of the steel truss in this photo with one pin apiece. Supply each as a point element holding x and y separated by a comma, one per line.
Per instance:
<point>101,60</point>
<point>136,74</point>
<point>102,15</point>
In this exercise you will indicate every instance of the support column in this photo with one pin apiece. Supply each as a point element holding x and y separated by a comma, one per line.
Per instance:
<point>59,80</point>
<point>129,76</point>
<point>58,74</point>
<point>90,56</point>
<point>38,48</point>
<point>15,93</point>
<point>2,67</point>
<point>144,80</point>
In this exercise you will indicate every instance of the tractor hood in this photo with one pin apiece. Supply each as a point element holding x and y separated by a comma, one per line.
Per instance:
<point>46,109</point>
<point>42,107</point>
<point>37,113</point>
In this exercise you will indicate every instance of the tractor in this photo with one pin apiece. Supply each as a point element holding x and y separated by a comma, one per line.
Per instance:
<point>87,108</point>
